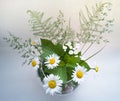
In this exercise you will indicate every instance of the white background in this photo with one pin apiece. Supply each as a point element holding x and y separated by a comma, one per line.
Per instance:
<point>21,83</point>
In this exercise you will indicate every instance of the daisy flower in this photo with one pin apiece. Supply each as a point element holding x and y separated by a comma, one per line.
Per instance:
<point>52,61</point>
<point>34,42</point>
<point>35,62</point>
<point>96,68</point>
<point>52,84</point>
<point>78,74</point>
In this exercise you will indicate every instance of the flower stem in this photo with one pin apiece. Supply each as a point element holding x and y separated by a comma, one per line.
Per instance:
<point>87,48</point>
<point>95,53</point>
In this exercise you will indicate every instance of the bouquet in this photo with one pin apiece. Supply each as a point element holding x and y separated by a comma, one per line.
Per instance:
<point>58,53</point>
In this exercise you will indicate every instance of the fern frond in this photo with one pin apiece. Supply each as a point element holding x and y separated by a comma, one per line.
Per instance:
<point>92,22</point>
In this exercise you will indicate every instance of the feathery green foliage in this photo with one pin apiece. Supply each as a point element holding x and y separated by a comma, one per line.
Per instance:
<point>95,23</point>
<point>24,47</point>
<point>56,30</point>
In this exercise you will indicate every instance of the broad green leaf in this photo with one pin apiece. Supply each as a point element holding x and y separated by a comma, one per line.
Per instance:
<point>68,65</point>
<point>71,59</point>
<point>69,72</point>
<point>46,44</point>
<point>60,71</point>
<point>58,49</point>
<point>62,63</point>
<point>46,53</point>
<point>84,64</point>
<point>49,48</point>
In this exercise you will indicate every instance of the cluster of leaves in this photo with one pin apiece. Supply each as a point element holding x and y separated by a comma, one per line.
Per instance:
<point>67,64</point>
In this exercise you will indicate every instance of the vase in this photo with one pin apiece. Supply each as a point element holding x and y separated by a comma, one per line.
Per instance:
<point>67,87</point>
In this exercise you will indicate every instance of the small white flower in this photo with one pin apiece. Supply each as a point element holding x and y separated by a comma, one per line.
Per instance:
<point>35,62</point>
<point>52,61</point>
<point>34,42</point>
<point>76,48</point>
<point>76,52</point>
<point>52,84</point>
<point>71,52</point>
<point>64,47</point>
<point>78,74</point>
<point>71,47</point>
<point>69,44</point>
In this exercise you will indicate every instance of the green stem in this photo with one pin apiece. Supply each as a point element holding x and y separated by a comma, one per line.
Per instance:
<point>87,48</point>
<point>95,53</point>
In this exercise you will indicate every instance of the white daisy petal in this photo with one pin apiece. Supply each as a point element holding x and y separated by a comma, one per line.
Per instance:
<point>52,61</point>
<point>52,84</point>
<point>35,62</point>
<point>78,74</point>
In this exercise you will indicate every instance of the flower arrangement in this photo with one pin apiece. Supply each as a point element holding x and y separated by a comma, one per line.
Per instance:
<point>56,54</point>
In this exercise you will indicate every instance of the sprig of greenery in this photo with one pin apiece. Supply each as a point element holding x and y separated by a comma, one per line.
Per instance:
<point>67,64</point>
<point>24,47</point>
<point>47,28</point>
<point>93,23</point>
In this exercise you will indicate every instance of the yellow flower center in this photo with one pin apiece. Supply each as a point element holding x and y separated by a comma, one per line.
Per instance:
<point>97,69</point>
<point>79,74</point>
<point>33,43</point>
<point>52,60</point>
<point>34,63</point>
<point>52,84</point>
